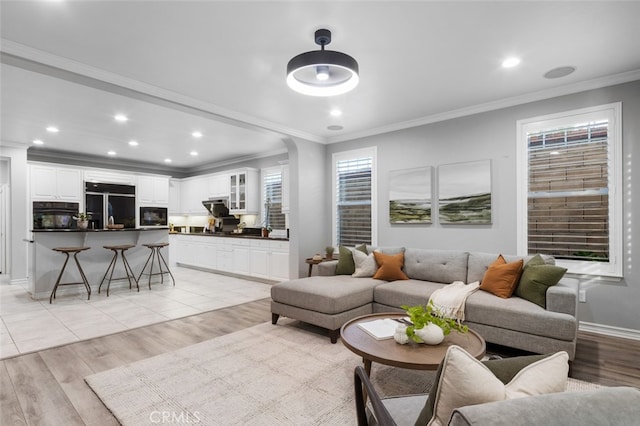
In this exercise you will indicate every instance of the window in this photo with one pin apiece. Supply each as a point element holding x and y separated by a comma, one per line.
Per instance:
<point>272,198</point>
<point>569,189</point>
<point>354,195</point>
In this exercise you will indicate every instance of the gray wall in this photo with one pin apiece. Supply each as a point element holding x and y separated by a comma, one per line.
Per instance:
<point>492,135</point>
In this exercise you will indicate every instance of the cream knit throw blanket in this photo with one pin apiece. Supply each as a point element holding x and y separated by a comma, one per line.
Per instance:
<point>449,300</point>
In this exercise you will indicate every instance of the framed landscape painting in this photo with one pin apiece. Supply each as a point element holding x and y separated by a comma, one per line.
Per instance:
<point>464,193</point>
<point>410,195</point>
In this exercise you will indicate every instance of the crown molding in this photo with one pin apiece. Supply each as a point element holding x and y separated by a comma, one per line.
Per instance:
<point>39,57</point>
<point>13,144</point>
<point>495,105</point>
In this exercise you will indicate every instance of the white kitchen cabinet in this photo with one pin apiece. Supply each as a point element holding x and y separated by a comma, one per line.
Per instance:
<point>193,191</point>
<point>174,196</point>
<point>51,183</point>
<point>219,185</point>
<point>244,192</point>
<point>269,259</point>
<point>240,255</point>
<point>107,176</point>
<point>153,191</point>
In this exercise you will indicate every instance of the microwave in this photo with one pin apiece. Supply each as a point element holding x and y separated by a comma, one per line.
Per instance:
<point>153,216</point>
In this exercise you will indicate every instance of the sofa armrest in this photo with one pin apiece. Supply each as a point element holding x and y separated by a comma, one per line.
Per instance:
<point>563,297</point>
<point>328,268</point>
<point>608,406</point>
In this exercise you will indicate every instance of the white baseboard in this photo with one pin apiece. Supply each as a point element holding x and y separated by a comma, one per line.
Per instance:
<point>625,333</point>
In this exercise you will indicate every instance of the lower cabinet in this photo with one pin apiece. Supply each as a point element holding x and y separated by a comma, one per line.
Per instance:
<point>257,258</point>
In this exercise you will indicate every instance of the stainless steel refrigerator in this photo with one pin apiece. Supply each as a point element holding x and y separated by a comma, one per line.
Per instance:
<point>107,200</point>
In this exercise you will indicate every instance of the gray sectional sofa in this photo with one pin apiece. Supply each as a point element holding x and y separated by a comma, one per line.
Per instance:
<point>330,300</point>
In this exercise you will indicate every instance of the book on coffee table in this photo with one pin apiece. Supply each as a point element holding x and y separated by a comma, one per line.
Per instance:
<point>380,329</point>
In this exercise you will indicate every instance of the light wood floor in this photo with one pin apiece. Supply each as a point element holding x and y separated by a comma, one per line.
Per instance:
<point>48,388</point>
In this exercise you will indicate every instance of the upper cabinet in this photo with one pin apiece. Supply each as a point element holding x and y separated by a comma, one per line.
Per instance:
<point>192,192</point>
<point>175,189</point>
<point>219,185</point>
<point>153,190</point>
<point>51,183</point>
<point>244,194</point>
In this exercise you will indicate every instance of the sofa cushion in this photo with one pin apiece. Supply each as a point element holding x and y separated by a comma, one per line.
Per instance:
<point>519,315</point>
<point>409,292</point>
<point>366,264</point>
<point>479,263</point>
<point>441,266</point>
<point>389,266</point>
<point>501,278</point>
<point>466,381</point>
<point>329,295</point>
<point>346,265</point>
<point>536,278</point>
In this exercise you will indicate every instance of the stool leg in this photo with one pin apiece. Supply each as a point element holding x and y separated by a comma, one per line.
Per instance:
<point>167,266</point>
<point>129,272</point>
<point>55,287</point>
<point>84,277</point>
<point>144,267</point>
<point>153,254</point>
<point>113,263</point>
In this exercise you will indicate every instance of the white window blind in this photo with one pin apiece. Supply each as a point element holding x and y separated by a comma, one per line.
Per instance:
<point>569,189</point>
<point>354,201</point>
<point>568,200</point>
<point>272,199</point>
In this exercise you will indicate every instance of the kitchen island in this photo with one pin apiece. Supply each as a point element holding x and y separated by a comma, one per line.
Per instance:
<point>45,264</point>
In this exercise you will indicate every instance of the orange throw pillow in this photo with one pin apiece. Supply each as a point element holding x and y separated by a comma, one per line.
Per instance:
<point>389,266</point>
<point>502,278</point>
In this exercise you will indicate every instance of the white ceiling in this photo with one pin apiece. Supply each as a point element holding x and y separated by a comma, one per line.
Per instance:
<point>219,67</point>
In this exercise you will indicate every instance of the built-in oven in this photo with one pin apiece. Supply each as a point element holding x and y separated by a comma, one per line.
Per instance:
<point>54,215</point>
<point>153,216</point>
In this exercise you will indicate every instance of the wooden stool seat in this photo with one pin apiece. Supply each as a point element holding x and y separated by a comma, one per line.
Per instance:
<point>67,251</point>
<point>112,266</point>
<point>156,254</point>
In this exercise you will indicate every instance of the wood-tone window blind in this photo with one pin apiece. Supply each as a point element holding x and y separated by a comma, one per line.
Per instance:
<point>272,191</point>
<point>353,201</point>
<point>568,195</point>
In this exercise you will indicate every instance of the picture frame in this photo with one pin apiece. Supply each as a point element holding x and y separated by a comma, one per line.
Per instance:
<point>410,196</point>
<point>464,193</point>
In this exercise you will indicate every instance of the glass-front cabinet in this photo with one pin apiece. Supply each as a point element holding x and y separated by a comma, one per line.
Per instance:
<point>243,192</point>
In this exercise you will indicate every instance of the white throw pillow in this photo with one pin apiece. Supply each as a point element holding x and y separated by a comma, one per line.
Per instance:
<point>366,264</point>
<point>466,381</point>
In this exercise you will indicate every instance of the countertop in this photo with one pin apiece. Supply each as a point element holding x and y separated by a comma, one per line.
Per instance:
<point>223,235</point>
<point>101,230</point>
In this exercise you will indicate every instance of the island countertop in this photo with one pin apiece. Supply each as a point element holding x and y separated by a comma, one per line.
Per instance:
<point>45,264</point>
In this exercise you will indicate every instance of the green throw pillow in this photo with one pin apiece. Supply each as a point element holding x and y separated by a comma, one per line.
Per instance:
<point>346,265</point>
<point>536,278</point>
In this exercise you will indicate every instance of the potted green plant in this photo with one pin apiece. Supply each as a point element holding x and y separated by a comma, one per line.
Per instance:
<point>83,220</point>
<point>329,252</point>
<point>266,230</point>
<point>424,318</point>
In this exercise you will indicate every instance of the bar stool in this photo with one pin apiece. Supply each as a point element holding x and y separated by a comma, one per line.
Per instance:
<point>112,266</point>
<point>67,251</point>
<point>156,254</point>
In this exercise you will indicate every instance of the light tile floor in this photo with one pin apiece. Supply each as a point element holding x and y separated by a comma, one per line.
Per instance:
<point>29,325</point>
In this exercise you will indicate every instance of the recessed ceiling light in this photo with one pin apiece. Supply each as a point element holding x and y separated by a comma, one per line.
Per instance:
<point>554,153</point>
<point>38,142</point>
<point>559,72</point>
<point>335,112</point>
<point>194,153</point>
<point>133,143</point>
<point>510,62</point>
<point>196,134</point>
<point>335,127</point>
<point>121,118</point>
<point>52,129</point>
<point>111,153</point>
<point>167,160</point>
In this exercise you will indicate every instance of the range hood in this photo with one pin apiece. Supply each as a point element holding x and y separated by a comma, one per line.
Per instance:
<point>217,207</point>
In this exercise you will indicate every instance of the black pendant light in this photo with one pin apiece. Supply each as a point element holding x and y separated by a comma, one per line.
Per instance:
<point>322,72</point>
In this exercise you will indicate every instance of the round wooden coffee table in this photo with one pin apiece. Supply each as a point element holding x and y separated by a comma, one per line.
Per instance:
<point>413,355</point>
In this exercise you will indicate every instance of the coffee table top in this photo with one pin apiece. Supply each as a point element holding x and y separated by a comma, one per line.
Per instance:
<point>416,356</point>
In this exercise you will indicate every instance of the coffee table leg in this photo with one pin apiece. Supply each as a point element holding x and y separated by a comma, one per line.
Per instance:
<point>367,366</point>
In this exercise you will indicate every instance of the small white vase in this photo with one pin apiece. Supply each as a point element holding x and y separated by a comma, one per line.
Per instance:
<point>431,334</point>
<point>400,336</point>
<point>83,224</point>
